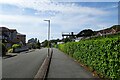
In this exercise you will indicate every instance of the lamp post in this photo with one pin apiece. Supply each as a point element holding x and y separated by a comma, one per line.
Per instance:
<point>48,35</point>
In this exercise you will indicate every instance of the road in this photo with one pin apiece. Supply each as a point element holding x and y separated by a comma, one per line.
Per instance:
<point>25,65</point>
<point>63,66</point>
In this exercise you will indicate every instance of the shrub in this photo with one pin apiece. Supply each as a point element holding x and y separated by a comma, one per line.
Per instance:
<point>10,50</point>
<point>16,46</point>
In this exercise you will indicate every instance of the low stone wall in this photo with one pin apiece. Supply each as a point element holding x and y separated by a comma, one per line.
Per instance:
<point>25,48</point>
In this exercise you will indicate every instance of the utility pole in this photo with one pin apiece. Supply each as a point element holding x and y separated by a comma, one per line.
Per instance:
<point>48,36</point>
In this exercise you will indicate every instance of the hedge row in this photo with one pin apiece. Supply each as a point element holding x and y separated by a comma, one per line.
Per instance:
<point>101,55</point>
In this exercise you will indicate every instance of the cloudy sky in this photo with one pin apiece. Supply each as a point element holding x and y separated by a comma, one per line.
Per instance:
<point>27,16</point>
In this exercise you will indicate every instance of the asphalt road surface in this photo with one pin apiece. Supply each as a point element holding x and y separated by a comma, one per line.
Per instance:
<point>63,66</point>
<point>24,65</point>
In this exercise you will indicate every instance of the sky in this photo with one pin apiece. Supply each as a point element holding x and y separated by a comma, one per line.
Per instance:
<point>27,16</point>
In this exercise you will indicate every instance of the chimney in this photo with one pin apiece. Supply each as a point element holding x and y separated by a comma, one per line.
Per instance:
<point>72,33</point>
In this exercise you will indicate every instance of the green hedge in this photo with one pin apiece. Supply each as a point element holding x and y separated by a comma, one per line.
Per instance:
<point>101,55</point>
<point>16,46</point>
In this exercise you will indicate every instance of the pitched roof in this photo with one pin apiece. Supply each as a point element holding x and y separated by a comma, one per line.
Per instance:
<point>111,29</point>
<point>12,30</point>
<point>4,29</point>
<point>19,34</point>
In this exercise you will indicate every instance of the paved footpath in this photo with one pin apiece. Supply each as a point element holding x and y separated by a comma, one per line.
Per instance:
<point>63,66</point>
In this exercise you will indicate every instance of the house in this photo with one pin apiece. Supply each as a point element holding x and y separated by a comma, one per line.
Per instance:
<point>112,30</point>
<point>31,43</point>
<point>5,36</point>
<point>11,36</point>
<point>4,33</point>
<point>21,38</point>
<point>106,32</point>
<point>70,35</point>
<point>60,42</point>
<point>78,39</point>
<point>99,34</point>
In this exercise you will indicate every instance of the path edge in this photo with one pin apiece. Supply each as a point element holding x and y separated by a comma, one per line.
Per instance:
<point>43,70</point>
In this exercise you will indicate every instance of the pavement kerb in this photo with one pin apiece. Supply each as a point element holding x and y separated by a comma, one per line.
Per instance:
<point>42,72</point>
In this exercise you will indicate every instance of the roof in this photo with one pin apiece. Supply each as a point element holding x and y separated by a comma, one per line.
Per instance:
<point>4,29</point>
<point>115,28</point>
<point>19,34</point>
<point>12,30</point>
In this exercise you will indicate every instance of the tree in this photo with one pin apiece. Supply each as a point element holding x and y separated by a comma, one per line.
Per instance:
<point>34,43</point>
<point>65,40</point>
<point>45,43</point>
<point>38,45</point>
<point>85,33</point>
<point>32,40</point>
<point>54,41</point>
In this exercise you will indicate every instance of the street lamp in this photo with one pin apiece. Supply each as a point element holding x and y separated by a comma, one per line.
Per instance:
<point>48,35</point>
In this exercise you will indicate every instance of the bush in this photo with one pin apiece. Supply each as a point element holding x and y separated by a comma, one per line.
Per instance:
<point>10,50</point>
<point>16,46</point>
<point>101,55</point>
